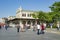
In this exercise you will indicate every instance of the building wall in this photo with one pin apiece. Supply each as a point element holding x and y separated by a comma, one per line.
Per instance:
<point>25,17</point>
<point>11,17</point>
<point>2,20</point>
<point>21,13</point>
<point>25,14</point>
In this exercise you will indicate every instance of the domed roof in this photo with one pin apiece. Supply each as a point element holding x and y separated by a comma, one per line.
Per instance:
<point>20,8</point>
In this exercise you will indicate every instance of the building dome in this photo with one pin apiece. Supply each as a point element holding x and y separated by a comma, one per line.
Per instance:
<point>20,8</point>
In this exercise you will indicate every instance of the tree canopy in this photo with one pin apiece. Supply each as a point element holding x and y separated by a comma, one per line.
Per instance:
<point>52,16</point>
<point>55,7</point>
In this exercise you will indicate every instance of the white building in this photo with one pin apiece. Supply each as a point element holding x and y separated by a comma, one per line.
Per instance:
<point>24,17</point>
<point>11,17</point>
<point>3,20</point>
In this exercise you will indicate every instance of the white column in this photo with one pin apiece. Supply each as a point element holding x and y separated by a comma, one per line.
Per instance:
<point>35,22</point>
<point>31,25</point>
<point>26,22</point>
<point>20,22</point>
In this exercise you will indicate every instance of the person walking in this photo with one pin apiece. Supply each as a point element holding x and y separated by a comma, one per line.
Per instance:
<point>57,26</point>
<point>18,27</point>
<point>44,25</point>
<point>51,25</point>
<point>6,26</point>
<point>34,28</point>
<point>0,26</point>
<point>42,28</point>
<point>38,29</point>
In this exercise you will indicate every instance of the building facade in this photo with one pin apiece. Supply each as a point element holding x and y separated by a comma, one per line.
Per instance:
<point>24,17</point>
<point>3,21</point>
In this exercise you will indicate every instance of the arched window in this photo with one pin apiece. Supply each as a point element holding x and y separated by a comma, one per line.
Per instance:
<point>28,22</point>
<point>28,15</point>
<point>23,22</point>
<point>23,15</point>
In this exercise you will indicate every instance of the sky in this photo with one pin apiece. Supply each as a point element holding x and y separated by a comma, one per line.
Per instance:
<point>9,7</point>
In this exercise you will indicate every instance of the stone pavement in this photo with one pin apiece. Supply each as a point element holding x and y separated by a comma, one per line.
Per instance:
<point>11,34</point>
<point>53,30</point>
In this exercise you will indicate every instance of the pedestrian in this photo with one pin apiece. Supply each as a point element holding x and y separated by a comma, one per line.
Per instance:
<point>0,26</point>
<point>42,28</point>
<point>44,25</point>
<point>6,26</point>
<point>34,28</point>
<point>24,27</point>
<point>57,26</point>
<point>51,24</point>
<point>38,29</point>
<point>22,30</point>
<point>18,27</point>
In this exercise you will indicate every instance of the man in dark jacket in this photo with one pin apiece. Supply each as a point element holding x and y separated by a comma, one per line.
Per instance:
<point>18,27</point>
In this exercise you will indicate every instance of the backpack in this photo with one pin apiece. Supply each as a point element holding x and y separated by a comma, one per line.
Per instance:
<point>42,27</point>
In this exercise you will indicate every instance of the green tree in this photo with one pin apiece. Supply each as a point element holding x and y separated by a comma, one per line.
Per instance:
<point>35,15</point>
<point>41,16</point>
<point>55,7</point>
<point>49,17</point>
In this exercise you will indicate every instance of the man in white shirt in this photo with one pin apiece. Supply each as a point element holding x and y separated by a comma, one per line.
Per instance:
<point>38,29</point>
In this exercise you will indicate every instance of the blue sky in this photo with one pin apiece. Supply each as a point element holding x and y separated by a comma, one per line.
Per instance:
<point>9,7</point>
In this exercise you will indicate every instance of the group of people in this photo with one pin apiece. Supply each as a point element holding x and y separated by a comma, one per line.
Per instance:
<point>40,28</point>
<point>21,27</point>
<point>5,26</point>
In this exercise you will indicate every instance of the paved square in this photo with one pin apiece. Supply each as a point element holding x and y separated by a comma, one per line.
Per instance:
<point>11,34</point>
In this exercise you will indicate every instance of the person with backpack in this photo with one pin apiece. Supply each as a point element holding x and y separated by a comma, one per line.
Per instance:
<point>42,28</point>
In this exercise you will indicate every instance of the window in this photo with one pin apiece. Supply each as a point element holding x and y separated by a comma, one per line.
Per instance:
<point>29,15</point>
<point>28,22</point>
<point>24,15</point>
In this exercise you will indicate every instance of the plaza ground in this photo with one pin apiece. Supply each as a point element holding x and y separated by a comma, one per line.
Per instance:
<point>11,34</point>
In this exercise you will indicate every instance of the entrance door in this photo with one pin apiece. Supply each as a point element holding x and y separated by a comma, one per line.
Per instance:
<point>23,22</point>
<point>29,23</point>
